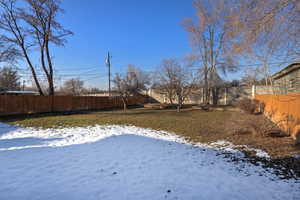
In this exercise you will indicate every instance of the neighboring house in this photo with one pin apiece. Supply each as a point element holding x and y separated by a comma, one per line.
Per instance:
<point>288,79</point>
<point>18,93</point>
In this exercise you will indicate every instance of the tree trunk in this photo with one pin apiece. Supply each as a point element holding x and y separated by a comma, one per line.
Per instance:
<point>48,73</point>
<point>178,108</point>
<point>51,84</point>
<point>206,90</point>
<point>124,104</point>
<point>32,71</point>
<point>215,95</point>
<point>51,88</point>
<point>170,96</point>
<point>179,104</point>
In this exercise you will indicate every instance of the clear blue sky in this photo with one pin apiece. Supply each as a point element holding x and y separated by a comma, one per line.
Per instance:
<point>139,32</point>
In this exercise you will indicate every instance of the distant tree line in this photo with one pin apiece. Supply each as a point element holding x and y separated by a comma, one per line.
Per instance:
<point>9,79</point>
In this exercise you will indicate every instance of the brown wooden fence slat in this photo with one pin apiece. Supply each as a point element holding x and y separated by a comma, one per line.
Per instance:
<point>280,106</point>
<point>27,104</point>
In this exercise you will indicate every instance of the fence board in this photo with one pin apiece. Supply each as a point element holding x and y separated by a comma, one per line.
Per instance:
<point>26,104</point>
<point>280,106</point>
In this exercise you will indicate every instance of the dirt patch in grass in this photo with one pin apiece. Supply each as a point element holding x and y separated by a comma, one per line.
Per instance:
<point>195,125</point>
<point>284,168</point>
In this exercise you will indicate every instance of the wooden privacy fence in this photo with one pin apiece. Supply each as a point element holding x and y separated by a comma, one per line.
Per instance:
<point>282,109</point>
<point>12,105</point>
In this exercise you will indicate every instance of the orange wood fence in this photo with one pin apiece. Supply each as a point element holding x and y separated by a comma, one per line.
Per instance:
<point>282,108</point>
<point>26,104</point>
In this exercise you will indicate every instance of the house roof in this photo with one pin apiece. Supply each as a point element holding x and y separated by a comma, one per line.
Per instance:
<point>288,69</point>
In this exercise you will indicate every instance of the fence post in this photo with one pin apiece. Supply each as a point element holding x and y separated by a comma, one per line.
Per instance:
<point>52,103</point>
<point>23,104</point>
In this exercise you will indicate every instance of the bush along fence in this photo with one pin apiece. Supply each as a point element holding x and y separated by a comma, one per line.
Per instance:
<point>13,105</point>
<point>283,110</point>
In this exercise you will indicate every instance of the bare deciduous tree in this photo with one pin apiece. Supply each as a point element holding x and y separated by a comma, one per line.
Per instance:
<point>251,76</point>
<point>9,79</point>
<point>270,31</point>
<point>30,26</point>
<point>14,32</point>
<point>213,40</point>
<point>73,87</point>
<point>280,17</point>
<point>7,52</point>
<point>142,78</point>
<point>165,78</point>
<point>129,84</point>
<point>46,30</point>
<point>175,81</point>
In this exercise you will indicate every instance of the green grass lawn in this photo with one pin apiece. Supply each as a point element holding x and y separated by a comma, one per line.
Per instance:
<point>195,125</point>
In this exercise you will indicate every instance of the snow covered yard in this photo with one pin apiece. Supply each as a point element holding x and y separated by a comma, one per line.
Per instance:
<point>125,162</point>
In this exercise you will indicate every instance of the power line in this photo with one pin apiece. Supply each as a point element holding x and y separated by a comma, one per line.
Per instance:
<point>86,70</point>
<point>56,74</point>
<point>252,65</point>
<point>97,77</point>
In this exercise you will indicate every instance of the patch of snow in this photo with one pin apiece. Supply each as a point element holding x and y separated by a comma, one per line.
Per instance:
<point>81,135</point>
<point>229,147</point>
<point>125,162</point>
<point>296,156</point>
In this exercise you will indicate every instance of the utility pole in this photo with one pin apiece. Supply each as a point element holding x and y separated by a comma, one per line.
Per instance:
<point>23,85</point>
<point>108,63</point>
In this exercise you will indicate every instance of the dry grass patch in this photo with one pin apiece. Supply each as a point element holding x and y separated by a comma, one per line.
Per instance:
<point>195,125</point>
